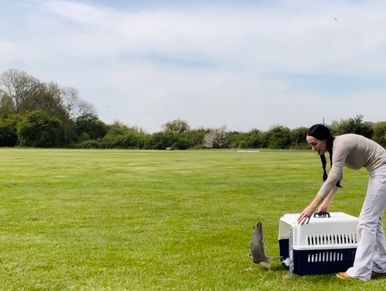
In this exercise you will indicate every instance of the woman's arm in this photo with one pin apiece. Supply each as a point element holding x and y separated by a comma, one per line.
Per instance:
<point>323,207</point>
<point>321,203</point>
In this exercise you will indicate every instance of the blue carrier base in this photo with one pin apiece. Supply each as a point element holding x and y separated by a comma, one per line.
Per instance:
<point>307,262</point>
<point>284,251</point>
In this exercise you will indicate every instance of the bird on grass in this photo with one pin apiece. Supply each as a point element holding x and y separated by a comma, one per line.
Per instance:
<point>257,247</point>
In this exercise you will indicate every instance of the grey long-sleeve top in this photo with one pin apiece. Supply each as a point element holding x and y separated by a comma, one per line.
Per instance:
<point>353,151</point>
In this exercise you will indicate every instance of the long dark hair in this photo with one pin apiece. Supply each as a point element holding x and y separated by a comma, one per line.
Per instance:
<point>322,132</point>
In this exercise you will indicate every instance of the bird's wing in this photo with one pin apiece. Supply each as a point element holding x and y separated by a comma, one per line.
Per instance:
<point>257,245</point>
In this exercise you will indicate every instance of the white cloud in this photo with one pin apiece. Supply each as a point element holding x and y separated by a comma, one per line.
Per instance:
<point>212,65</point>
<point>84,14</point>
<point>320,37</point>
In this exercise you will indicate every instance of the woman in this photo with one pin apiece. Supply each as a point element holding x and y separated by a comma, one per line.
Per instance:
<point>354,151</point>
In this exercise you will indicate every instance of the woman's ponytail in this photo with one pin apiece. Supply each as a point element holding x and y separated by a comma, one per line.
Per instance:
<point>321,132</point>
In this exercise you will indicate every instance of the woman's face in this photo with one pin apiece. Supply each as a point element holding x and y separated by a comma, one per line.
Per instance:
<point>317,145</point>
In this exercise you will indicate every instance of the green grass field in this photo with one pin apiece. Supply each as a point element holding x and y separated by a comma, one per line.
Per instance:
<point>156,220</point>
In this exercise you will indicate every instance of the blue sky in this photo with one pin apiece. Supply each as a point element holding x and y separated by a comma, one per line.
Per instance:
<point>240,64</point>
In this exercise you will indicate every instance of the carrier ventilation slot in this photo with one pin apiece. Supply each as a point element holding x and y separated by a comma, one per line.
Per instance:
<point>325,257</point>
<point>331,239</point>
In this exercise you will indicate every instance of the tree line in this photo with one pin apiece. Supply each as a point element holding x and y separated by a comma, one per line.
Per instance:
<point>38,114</point>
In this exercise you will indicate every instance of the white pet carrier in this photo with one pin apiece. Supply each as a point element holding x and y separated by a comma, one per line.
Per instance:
<point>326,244</point>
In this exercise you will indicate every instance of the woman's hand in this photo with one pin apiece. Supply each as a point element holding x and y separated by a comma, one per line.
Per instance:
<point>306,214</point>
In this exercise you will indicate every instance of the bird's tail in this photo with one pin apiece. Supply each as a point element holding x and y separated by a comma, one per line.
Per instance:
<point>274,258</point>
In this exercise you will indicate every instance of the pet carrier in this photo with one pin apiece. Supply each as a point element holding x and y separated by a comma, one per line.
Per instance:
<point>326,244</point>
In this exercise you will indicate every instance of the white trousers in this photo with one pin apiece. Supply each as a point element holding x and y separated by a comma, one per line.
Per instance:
<point>371,250</point>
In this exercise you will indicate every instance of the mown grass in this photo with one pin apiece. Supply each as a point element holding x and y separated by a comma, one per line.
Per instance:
<point>156,220</point>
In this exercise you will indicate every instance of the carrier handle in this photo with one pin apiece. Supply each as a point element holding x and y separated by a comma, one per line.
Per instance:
<point>322,214</point>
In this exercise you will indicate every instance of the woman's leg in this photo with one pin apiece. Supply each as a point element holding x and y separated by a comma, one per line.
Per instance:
<point>372,210</point>
<point>380,250</point>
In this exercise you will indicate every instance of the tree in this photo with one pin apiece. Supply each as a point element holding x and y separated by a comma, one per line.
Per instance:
<point>161,140</point>
<point>279,137</point>
<point>183,141</point>
<point>6,104</point>
<point>298,137</point>
<point>176,126</point>
<point>8,132</point>
<point>353,125</point>
<point>23,93</point>
<point>235,139</point>
<point>216,138</point>
<point>18,85</point>
<point>74,107</point>
<point>254,139</point>
<point>196,137</point>
<point>121,136</point>
<point>73,104</point>
<point>39,129</point>
<point>45,97</point>
<point>176,135</point>
<point>89,126</point>
<point>380,133</point>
